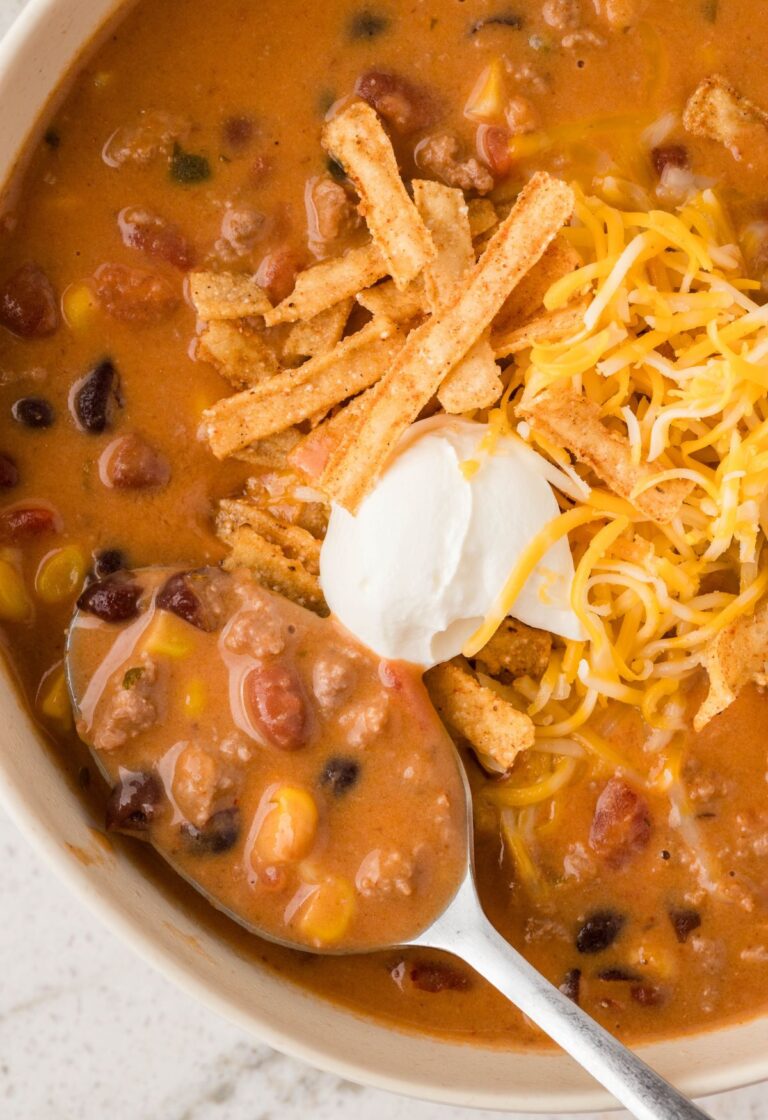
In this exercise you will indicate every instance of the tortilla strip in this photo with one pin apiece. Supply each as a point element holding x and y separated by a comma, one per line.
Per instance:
<point>717,111</point>
<point>296,394</point>
<point>516,649</point>
<point>550,326</point>
<point>239,352</point>
<point>470,711</point>
<point>474,382</point>
<point>282,557</point>
<point>271,452</point>
<point>227,295</point>
<point>312,337</point>
<point>329,283</point>
<point>358,141</point>
<point>527,300</point>
<point>434,348</point>
<point>571,420</point>
<point>482,216</point>
<point>399,306</point>
<point>736,657</point>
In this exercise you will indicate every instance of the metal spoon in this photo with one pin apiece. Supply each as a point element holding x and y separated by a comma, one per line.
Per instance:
<point>463,930</point>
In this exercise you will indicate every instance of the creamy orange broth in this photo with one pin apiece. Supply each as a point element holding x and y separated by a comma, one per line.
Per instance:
<point>678,957</point>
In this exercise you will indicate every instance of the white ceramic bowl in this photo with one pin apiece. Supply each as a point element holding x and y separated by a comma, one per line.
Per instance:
<point>45,42</point>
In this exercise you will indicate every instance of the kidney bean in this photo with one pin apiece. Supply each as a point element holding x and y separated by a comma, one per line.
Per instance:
<point>95,396</point>
<point>130,463</point>
<point>684,921</point>
<point>177,596</point>
<point>108,561</point>
<point>133,803</point>
<point>111,600</point>
<point>341,774</point>
<point>33,412</point>
<point>571,985</point>
<point>673,155</point>
<point>277,705</point>
<point>493,149</point>
<point>23,523</point>
<point>218,834</point>
<point>9,473</point>
<point>435,976</point>
<point>599,931</point>
<point>153,235</point>
<point>28,304</point>
<point>621,825</point>
<point>406,107</point>
<point>133,295</point>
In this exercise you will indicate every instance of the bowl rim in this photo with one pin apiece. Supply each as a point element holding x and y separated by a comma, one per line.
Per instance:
<point>18,41</point>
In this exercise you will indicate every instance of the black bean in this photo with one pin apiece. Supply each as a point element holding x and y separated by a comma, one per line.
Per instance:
<point>335,169</point>
<point>571,985</point>
<point>340,774</point>
<point>33,412</point>
<point>671,155</point>
<point>52,138</point>
<point>599,931</point>
<point>134,801</point>
<point>503,19</point>
<point>367,25</point>
<point>108,561</point>
<point>177,596</point>
<point>111,600</point>
<point>617,974</point>
<point>9,472</point>
<point>709,10</point>
<point>684,921</point>
<point>95,396</point>
<point>218,834</point>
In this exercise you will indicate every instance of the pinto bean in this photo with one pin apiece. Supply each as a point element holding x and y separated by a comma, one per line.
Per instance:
<point>493,149</point>
<point>130,463</point>
<point>277,705</point>
<point>621,825</point>
<point>28,304</point>
<point>237,132</point>
<point>95,396</point>
<point>277,272</point>
<point>403,105</point>
<point>133,295</point>
<point>134,801</point>
<point>156,237</point>
<point>111,600</point>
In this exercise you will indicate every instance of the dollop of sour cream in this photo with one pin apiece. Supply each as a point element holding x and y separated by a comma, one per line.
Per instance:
<point>414,573</point>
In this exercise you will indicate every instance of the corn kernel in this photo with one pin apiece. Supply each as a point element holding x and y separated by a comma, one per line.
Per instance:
<point>169,636</point>
<point>326,914</point>
<point>53,697</point>
<point>289,827</point>
<point>487,100</point>
<point>60,575</point>
<point>194,699</point>
<point>14,601</point>
<point>79,306</point>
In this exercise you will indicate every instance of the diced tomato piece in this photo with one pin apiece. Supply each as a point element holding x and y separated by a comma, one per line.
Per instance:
<point>277,706</point>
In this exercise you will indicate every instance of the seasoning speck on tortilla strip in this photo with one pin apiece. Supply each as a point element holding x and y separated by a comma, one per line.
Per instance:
<point>717,111</point>
<point>571,420</point>
<point>494,727</point>
<point>295,395</point>
<point>433,349</point>
<point>356,139</point>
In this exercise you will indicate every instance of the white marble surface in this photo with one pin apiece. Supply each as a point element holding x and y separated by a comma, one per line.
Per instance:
<point>90,1032</point>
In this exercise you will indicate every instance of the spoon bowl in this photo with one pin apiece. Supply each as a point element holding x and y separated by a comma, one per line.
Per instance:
<point>459,926</point>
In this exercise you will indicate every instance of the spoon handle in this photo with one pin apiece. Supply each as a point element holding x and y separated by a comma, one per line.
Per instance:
<point>464,930</point>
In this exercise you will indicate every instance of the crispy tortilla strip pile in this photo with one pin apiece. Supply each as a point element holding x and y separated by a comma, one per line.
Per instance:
<point>717,111</point>
<point>571,420</point>
<point>515,649</point>
<point>495,728</point>
<point>285,558</point>
<point>737,656</point>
